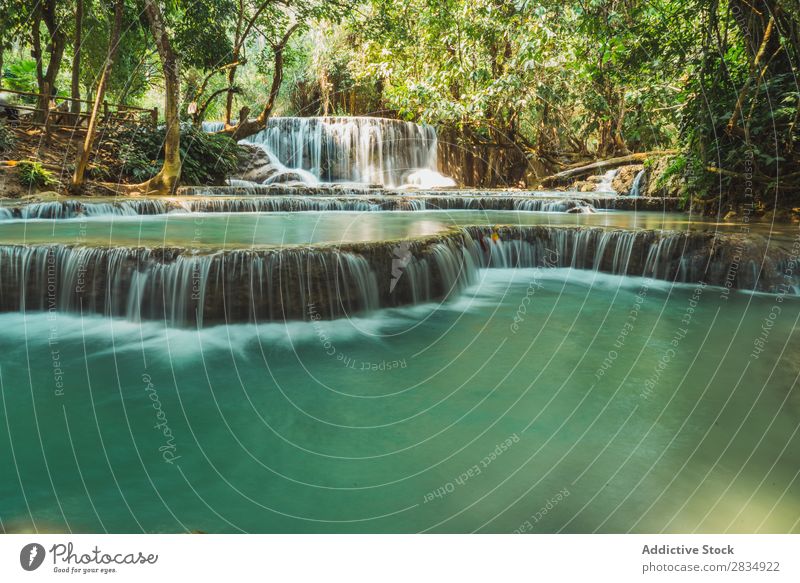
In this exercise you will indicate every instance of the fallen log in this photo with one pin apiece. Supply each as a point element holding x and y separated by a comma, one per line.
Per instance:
<point>602,165</point>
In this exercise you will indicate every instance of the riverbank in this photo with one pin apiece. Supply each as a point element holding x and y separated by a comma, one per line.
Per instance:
<point>649,186</point>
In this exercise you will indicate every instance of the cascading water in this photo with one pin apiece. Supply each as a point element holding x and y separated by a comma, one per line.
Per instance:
<point>282,204</point>
<point>729,260</point>
<point>69,209</point>
<point>187,288</point>
<point>183,288</point>
<point>637,184</point>
<point>72,208</point>
<point>427,178</point>
<point>605,184</point>
<point>392,203</point>
<point>361,150</point>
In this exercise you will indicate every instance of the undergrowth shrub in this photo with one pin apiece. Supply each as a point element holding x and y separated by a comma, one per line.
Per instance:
<point>32,173</point>
<point>137,153</point>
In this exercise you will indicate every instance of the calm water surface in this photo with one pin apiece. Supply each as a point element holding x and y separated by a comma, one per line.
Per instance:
<point>246,230</point>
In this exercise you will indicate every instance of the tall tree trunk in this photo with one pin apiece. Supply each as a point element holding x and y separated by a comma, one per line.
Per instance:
<point>237,45</point>
<point>2,44</point>
<point>76,58</point>
<point>229,97</point>
<point>86,147</point>
<point>167,179</point>
<point>56,48</point>
<point>620,147</point>
<point>38,57</point>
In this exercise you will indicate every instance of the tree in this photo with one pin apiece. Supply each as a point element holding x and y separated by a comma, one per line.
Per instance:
<point>739,127</point>
<point>47,11</point>
<point>247,15</point>
<point>246,126</point>
<point>472,68</point>
<point>76,58</point>
<point>86,147</point>
<point>136,65</point>
<point>276,22</point>
<point>167,178</point>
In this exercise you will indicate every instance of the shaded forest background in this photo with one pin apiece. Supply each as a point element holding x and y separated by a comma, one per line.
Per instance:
<point>517,89</point>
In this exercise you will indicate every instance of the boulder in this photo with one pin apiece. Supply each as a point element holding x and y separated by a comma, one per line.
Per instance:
<point>288,177</point>
<point>584,185</point>
<point>256,165</point>
<point>623,181</point>
<point>660,187</point>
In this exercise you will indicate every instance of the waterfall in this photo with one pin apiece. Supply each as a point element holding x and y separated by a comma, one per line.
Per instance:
<point>236,183</point>
<point>637,182</point>
<point>361,150</point>
<point>597,200</point>
<point>72,208</point>
<point>718,259</point>
<point>69,209</point>
<point>389,203</point>
<point>567,205</point>
<point>427,178</point>
<point>282,204</point>
<point>605,184</point>
<point>184,288</point>
<point>187,288</point>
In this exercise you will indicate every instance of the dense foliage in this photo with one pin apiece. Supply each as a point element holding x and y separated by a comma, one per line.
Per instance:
<point>33,173</point>
<point>137,155</point>
<point>595,77</point>
<point>739,129</point>
<point>517,88</point>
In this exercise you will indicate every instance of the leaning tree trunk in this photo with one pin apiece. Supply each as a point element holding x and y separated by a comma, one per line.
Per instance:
<point>76,58</point>
<point>248,127</point>
<point>166,181</point>
<point>86,147</point>
<point>243,29</point>
<point>753,19</point>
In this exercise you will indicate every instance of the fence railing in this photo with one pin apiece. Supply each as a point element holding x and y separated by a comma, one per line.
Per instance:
<point>61,116</point>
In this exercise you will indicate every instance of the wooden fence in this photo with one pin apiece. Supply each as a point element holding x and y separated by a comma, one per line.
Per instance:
<point>60,117</point>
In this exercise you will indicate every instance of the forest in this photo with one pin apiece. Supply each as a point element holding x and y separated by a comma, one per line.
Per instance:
<point>703,90</point>
<point>400,266</point>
